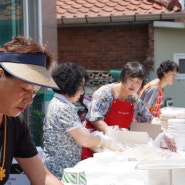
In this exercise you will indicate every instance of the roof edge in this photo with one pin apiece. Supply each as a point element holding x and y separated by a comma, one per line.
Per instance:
<point>120,18</point>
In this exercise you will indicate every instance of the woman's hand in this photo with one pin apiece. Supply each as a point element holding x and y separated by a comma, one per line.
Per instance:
<point>110,143</point>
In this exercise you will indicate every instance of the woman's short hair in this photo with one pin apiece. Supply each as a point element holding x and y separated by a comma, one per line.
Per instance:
<point>165,67</point>
<point>133,70</point>
<point>69,78</point>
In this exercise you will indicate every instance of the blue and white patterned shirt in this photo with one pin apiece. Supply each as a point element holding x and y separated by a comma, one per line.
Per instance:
<point>60,149</point>
<point>102,100</point>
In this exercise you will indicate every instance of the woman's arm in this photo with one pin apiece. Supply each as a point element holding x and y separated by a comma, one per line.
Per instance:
<point>84,138</point>
<point>149,96</point>
<point>99,106</point>
<point>141,112</point>
<point>100,125</point>
<point>37,173</point>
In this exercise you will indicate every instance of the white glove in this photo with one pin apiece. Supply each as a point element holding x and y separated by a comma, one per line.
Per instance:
<point>158,139</point>
<point>111,130</point>
<point>156,121</point>
<point>111,144</point>
<point>170,142</point>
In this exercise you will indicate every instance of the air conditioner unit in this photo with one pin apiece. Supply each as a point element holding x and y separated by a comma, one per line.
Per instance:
<point>179,58</point>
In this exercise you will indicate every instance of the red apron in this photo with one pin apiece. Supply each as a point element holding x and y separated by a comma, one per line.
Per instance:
<point>120,113</point>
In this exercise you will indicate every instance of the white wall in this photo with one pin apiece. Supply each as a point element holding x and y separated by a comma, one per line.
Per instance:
<point>168,41</point>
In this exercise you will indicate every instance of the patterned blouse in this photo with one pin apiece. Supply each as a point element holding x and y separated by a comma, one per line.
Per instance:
<point>60,149</point>
<point>150,94</point>
<point>102,100</point>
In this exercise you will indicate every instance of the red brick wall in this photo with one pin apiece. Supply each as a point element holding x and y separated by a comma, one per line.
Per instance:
<point>103,47</point>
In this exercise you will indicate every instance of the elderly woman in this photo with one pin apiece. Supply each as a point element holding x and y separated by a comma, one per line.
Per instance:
<point>118,103</point>
<point>23,70</point>
<point>64,133</point>
<point>152,93</point>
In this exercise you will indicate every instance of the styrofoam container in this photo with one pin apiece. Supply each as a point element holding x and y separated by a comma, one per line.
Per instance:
<point>105,157</point>
<point>176,121</point>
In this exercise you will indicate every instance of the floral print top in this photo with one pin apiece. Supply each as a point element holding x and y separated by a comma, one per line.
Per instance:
<point>60,149</point>
<point>102,100</point>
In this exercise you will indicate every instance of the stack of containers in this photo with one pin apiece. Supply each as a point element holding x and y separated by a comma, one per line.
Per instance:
<point>170,113</point>
<point>176,127</point>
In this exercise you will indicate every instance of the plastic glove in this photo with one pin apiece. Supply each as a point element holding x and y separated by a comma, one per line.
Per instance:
<point>110,130</point>
<point>113,131</point>
<point>170,142</point>
<point>111,144</point>
<point>159,139</point>
<point>156,121</point>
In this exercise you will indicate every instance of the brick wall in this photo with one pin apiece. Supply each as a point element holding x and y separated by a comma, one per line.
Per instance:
<point>104,47</point>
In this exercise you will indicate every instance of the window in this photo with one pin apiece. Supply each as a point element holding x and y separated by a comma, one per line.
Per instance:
<point>179,58</point>
<point>11,20</point>
<point>33,19</point>
<point>20,17</point>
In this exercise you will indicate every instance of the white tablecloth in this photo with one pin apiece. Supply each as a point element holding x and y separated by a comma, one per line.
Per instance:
<point>105,171</point>
<point>111,168</point>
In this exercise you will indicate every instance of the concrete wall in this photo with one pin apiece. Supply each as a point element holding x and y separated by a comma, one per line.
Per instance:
<point>167,42</point>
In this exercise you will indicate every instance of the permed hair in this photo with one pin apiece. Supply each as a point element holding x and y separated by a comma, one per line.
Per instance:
<point>165,67</point>
<point>69,78</point>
